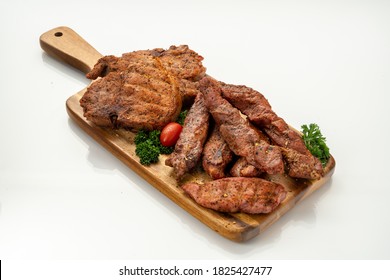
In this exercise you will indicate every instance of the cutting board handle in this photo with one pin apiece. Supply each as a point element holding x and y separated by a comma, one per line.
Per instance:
<point>66,45</point>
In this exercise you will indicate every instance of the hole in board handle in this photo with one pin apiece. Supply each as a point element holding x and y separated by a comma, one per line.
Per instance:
<point>58,34</point>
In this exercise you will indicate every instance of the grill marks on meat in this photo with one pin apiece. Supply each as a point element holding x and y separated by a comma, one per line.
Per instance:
<point>129,100</point>
<point>179,61</point>
<point>142,89</point>
<point>189,147</point>
<point>234,194</point>
<point>216,155</point>
<point>137,95</point>
<point>299,161</point>
<point>241,138</point>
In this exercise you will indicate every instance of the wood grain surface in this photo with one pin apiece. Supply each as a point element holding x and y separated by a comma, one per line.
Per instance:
<point>120,142</point>
<point>66,45</point>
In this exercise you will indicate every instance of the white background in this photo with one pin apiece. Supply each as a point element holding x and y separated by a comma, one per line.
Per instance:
<point>62,196</point>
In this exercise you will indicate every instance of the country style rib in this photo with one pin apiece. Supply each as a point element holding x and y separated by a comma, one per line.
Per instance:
<point>216,155</point>
<point>189,147</point>
<point>302,166</point>
<point>238,194</point>
<point>258,110</point>
<point>299,161</point>
<point>241,138</point>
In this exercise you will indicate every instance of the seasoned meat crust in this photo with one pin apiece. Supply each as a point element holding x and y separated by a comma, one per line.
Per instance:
<point>299,161</point>
<point>242,168</point>
<point>234,194</point>
<point>258,110</point>
<point>189,147</point>
<point>241,138</point>
<point>131,100</point>
<point>216,155</point>
<point>179,61</point>
<point>142,89</point>
<point>182,62</point>
<point>302,166</point>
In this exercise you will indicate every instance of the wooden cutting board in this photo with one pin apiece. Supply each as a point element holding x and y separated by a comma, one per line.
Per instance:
<point>66,45</point>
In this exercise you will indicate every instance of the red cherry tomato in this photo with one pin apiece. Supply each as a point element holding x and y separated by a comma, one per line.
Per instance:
<point>170,134</point>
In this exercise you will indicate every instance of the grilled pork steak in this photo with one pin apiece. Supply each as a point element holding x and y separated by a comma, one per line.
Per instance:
<point>189,147</point>
<point>179,61</point>
<point>142,89</point>
<point>241,138</point>
<point>128,100</point>
<point>216,155</point>
<point>234,194</point>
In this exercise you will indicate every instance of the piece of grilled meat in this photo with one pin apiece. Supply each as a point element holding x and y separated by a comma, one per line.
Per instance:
<point>238,194</point>
<point>189,147</point>
<point>216,155</point>
<point>302,166</point>
<point>142,89</point>
<point>179,61</point>
<point>241,138</point>
<point>128,100</point>
<point>242,168</point>
<point>299,161</point>
<point>258,110</point>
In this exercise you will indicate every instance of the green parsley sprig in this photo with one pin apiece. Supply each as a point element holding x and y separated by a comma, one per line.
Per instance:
<point>182,116</point>
<point>316,142</point>
<point>148,146</point>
